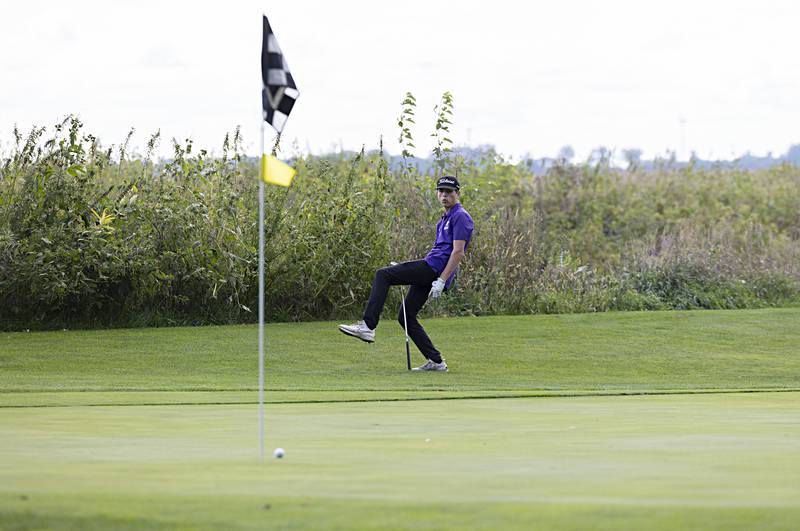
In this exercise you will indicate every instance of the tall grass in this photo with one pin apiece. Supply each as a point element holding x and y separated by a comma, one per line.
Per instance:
<point>93,236</point>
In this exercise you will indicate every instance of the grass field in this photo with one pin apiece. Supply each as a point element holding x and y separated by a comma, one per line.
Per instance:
<point>675,420</point>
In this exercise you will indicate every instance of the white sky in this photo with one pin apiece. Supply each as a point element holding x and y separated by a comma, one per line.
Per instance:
<point>528,77</point>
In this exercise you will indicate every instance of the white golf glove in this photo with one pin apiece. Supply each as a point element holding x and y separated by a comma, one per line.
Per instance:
<point>436,288</point>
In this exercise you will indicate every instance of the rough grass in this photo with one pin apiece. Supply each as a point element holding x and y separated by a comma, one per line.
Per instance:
<point>617,352</point>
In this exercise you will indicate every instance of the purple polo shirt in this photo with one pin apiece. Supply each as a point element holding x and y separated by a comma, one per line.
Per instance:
<point>454,225</point>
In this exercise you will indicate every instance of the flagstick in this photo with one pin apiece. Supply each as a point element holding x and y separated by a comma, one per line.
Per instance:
<point>261,303</point>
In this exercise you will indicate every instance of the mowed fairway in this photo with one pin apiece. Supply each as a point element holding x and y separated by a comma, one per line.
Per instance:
<point>700,445</point>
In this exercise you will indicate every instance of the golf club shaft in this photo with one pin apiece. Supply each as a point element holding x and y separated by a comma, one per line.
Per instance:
<point>405,322</point>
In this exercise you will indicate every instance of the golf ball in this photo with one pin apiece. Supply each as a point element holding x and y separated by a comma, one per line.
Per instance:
<point>279,452</point>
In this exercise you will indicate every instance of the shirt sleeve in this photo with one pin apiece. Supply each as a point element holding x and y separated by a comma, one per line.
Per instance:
<point>462,228</point>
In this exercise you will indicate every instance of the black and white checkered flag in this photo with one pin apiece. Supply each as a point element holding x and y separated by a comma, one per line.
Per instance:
<point>279,91</point>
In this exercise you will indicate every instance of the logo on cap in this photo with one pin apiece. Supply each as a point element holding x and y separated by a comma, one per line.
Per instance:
<point>448,182</point>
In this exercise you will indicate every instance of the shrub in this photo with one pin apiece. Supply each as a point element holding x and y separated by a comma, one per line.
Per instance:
<point>93,236</point>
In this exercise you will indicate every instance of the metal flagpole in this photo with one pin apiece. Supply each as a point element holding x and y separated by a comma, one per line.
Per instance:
<point>261,303</point>
<point>278,94</point>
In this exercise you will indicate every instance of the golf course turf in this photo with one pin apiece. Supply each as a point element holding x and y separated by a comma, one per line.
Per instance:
<point>663,420</point>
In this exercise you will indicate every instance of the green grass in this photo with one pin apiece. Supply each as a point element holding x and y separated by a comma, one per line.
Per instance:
<point>613,351</point>
<point>363,453</point>
<point>713,461</point>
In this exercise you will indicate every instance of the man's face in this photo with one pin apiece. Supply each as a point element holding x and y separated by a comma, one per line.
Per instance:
<point>447,197</point>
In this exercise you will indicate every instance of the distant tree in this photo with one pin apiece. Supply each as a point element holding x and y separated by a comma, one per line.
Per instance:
<point>600,155</point>
<point>566,153</point>
<point>633,157</point>
<point>793,155</point>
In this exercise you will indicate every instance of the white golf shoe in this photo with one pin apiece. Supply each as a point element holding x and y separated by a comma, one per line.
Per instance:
<point>432,366</point>
<point>359,330</point>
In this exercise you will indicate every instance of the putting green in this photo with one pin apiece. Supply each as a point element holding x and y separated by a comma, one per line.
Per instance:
<point>717,461</point>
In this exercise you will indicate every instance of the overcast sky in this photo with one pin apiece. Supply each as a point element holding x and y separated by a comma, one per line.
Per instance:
<point>720,78</point>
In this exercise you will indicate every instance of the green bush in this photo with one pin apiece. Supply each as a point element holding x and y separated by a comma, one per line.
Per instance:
<point>93,236</point>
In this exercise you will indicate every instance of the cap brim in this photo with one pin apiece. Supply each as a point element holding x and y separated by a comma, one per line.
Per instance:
<point>447,187</point>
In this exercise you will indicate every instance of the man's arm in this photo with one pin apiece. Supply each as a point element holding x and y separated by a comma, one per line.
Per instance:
<point>455,258</point>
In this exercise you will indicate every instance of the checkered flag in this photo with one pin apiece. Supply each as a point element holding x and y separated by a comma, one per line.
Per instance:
<point>278,92</point>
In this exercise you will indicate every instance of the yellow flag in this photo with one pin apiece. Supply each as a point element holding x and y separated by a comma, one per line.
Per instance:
<point>274,171</point>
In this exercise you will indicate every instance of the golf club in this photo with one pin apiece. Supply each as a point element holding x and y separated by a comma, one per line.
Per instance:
<point>405,322</point>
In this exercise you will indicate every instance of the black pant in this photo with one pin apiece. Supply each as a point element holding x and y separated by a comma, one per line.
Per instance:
<point>419,276</point>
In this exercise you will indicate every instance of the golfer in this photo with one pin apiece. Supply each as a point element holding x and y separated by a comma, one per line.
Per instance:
<point>427,278</point>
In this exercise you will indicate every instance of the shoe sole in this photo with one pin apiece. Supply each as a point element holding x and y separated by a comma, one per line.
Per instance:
<point>345,332</point>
